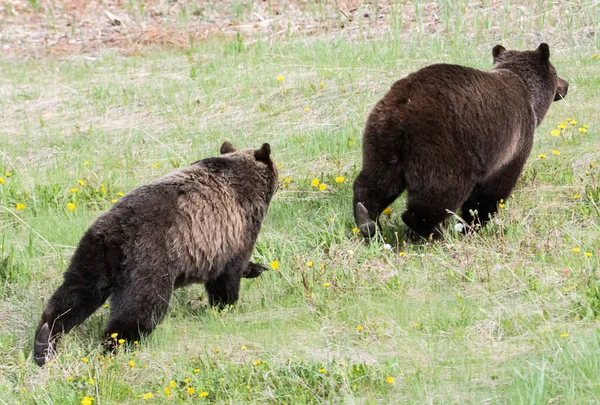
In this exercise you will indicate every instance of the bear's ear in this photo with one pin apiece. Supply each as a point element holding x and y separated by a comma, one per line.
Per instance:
<point>227,147</point>
<point>263,154</point>
<point>497,51</point>
<point>544,51</point>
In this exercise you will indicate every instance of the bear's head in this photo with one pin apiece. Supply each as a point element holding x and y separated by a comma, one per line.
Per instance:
<point>264,166</point>
<point>538,74</point>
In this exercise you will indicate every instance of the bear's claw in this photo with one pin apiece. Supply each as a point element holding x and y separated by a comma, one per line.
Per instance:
<point>366,225</point>
<point>41,345</point>
<point>253,270</point>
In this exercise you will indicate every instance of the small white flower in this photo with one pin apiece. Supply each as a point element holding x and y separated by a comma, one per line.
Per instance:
<point>459,227</point>
<point>387,246</point>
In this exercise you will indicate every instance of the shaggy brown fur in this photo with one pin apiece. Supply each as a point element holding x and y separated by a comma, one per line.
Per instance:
<point>196,225</point>
<point>453,137</point>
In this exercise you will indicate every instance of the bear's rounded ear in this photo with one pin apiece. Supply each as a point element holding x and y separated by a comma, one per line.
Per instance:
<point>497,51</point>
<point>227,147</point>
<point>264,153</point>
<point>544,51</point>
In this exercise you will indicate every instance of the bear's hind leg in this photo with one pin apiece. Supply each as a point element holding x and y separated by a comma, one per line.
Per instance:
<point>84,289</point>
<point>371,196</point>
<point>485,197</point>
<point>136,309</point>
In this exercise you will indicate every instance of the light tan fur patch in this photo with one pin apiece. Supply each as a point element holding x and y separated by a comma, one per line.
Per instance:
<point>209,224</point>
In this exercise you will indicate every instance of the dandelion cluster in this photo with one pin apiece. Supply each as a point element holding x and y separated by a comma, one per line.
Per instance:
<point>567,126</point>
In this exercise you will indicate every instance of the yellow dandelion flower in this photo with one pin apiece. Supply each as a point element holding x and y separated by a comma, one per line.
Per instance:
<point>7,174</point>
<point>120,194</point>
<point>203,394</point>
<point>576,250</point>
<point>156,165</point>
<point>501,206</point>
<point>326,285</point>
<point>573,122</point>
<point>355,230</point>
<point>340,179</point>
<point>1,180</point>
<point>85,359</point>
<point>172,383</point>
<point>310,264</point>
<point>86,163</point>
<point>542,156</point>
<point>588,254</point>
<point>135,342</point>
<point>274,265</point>
<point>81,182</point>
<point>315,182</point>
<point>280,78</point>
<point>69,379</point>
<point>167,391</point>
<point>256,363</point>
<point>196,370</point>
<point>322,371</point>
<point>190,390</point>
<point>564,335</point>
<point>147,396</point>
<point>73,190</point>
<point>105,305</point>
<point>187,380</point>
<point>593,164</point>
<point>390,380</point>
<point>322,187</point>
<point>556,152</point>
<point>387,211</point>
<point>121,341</point>
<point>70,206</point>
<point>359,328</point>
<point>321,85</point>
<point>402,254</point>
<point>91,381</point>
<point>20,206</point>
<point>415,325</point>
<point>287,179</point>
<point>114,335</point>
<point>585,126</point>
<point>114,200</point>
<point>594,56</point>
<point>87,401</point>
<point>577,196</point>
<point>562,125</point>
<point>131,363</point>
<point>307,109</point>
<point>555,132</point>
<point>582,130</point>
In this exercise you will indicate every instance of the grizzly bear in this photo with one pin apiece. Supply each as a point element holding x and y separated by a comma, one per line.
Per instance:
<point>453,137</point>
<point>198,224</point>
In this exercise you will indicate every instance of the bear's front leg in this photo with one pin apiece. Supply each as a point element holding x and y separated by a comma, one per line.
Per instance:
<point>225,289</point>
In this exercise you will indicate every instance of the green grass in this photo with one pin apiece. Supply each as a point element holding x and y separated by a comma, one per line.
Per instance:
<point>490,318</point>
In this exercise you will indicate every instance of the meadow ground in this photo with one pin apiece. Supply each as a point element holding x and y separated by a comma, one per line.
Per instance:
<point>509,315</point>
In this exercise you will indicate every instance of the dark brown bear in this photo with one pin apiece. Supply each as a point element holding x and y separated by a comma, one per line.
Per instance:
<point>195,225</point>
<point>453,137</point>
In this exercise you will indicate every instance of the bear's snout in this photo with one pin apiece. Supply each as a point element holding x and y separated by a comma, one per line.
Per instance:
<point>561,89</point>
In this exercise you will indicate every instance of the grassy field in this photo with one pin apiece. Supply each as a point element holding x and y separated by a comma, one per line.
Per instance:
<point>507,316</point>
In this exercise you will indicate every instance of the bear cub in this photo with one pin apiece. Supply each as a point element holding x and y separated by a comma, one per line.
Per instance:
<point>453,137</point>
<point>195,225</point>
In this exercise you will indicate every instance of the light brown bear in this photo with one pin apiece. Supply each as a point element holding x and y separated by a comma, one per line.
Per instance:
<point>196,225</point>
